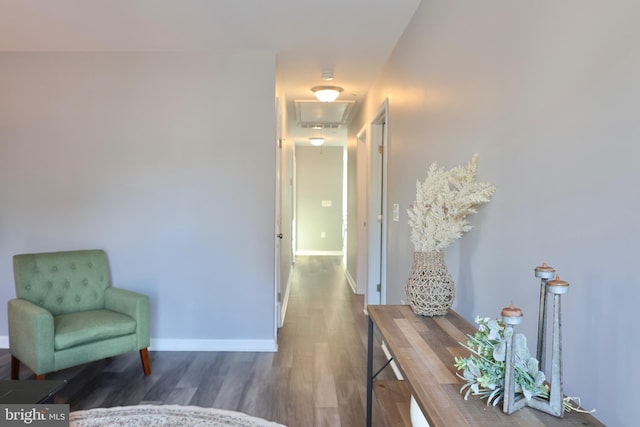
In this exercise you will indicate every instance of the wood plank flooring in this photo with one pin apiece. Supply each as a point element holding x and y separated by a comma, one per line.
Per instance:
<point>317,377</point>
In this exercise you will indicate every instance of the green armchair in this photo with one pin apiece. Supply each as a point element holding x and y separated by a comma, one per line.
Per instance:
<point>66,313</point>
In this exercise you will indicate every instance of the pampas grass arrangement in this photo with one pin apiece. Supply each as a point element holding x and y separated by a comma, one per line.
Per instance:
<point>438,216</point>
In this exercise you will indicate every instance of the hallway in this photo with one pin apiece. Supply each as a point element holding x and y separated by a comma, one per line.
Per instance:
<point>324,338</point>
<point>317,377</point>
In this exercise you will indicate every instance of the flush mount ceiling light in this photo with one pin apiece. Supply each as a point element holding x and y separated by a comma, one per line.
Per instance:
<point>326,93</point>
<point>316,141</point>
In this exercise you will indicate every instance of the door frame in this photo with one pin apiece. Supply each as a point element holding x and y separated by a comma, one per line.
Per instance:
<point>362,209</point>
<point>278,317</point>
<point>375,246</point>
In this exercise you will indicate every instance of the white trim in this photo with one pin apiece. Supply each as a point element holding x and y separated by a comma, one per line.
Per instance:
<point>384,116</point>
<point>277,244</point>
<point>345,203</point>
<point>169,344</point>
<point>4,341</point>
<point>377,207</point>
<point>393,365</point>
<point>362,213</point>
<point>319,253</point>
<point>285,297</point>
<point>350,280</point>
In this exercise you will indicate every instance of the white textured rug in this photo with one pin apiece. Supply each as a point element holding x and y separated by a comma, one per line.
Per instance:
<point>164,416</point>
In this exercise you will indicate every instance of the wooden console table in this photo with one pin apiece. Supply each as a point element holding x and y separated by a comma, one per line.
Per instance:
<point>423,348</point>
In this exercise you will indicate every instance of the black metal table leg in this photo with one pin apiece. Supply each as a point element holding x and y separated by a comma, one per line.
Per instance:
<point>369,372</point>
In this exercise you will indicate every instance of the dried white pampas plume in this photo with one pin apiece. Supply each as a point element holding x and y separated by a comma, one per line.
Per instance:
<point>443,202</point>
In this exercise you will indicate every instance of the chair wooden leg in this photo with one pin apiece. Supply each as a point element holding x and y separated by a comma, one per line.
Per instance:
<point>15,370</point>
<point>144,357</point>
<point>15,367</point>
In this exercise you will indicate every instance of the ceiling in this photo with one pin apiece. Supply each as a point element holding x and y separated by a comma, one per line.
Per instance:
<point>351,38</point>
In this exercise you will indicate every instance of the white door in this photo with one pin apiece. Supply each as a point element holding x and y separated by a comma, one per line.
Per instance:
<point>377,219</point>
<point>362,213</point>
<point>278,226</point>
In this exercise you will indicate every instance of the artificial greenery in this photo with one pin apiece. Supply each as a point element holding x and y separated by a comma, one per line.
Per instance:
<point>484,370</point>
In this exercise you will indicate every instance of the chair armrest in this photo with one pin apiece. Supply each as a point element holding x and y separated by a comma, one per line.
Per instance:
<point>31,331</point>
<point>132,304</point>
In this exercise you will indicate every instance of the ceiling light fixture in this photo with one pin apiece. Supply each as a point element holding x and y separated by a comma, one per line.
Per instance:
<point>326,93</point>
<point>316,141</point>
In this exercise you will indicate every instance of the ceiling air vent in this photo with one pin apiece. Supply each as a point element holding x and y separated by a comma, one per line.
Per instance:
<point>319,126</point>
<point>313,113</point>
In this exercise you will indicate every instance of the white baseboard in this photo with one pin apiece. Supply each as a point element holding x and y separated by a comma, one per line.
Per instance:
<point>350,280</point>
<point>393,365</point>
<point>319,253</point>
<point>285,297</point>
<point>168,344</point>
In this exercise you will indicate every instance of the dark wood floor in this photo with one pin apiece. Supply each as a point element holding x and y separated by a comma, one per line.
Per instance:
<point>317,377</point>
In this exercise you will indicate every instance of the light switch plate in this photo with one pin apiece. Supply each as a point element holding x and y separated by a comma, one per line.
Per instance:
<point>396,212</point>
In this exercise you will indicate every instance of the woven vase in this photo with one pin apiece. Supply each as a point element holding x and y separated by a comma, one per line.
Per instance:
<point>430,289</point>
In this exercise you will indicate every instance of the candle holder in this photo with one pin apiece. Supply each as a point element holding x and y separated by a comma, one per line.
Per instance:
<point>544,273</point>
<point>554,405</point>
<point>511,316</point>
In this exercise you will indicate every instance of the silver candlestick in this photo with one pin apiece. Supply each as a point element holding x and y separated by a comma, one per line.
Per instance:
<point>511,316</point>
<point>544,273</point>
<point>554,405</point>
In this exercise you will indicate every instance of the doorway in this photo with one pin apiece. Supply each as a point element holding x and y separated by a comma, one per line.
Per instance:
<point>372,237</point>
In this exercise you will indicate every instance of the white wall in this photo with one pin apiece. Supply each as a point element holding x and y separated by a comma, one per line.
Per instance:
<point>547,93</point>
<point>319,177</point>
<point>141,154</point>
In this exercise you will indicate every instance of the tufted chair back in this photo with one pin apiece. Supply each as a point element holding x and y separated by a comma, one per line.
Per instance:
<point>63,282</point>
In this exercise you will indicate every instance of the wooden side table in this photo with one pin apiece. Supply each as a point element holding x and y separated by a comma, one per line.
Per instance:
<point>423,349</point>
